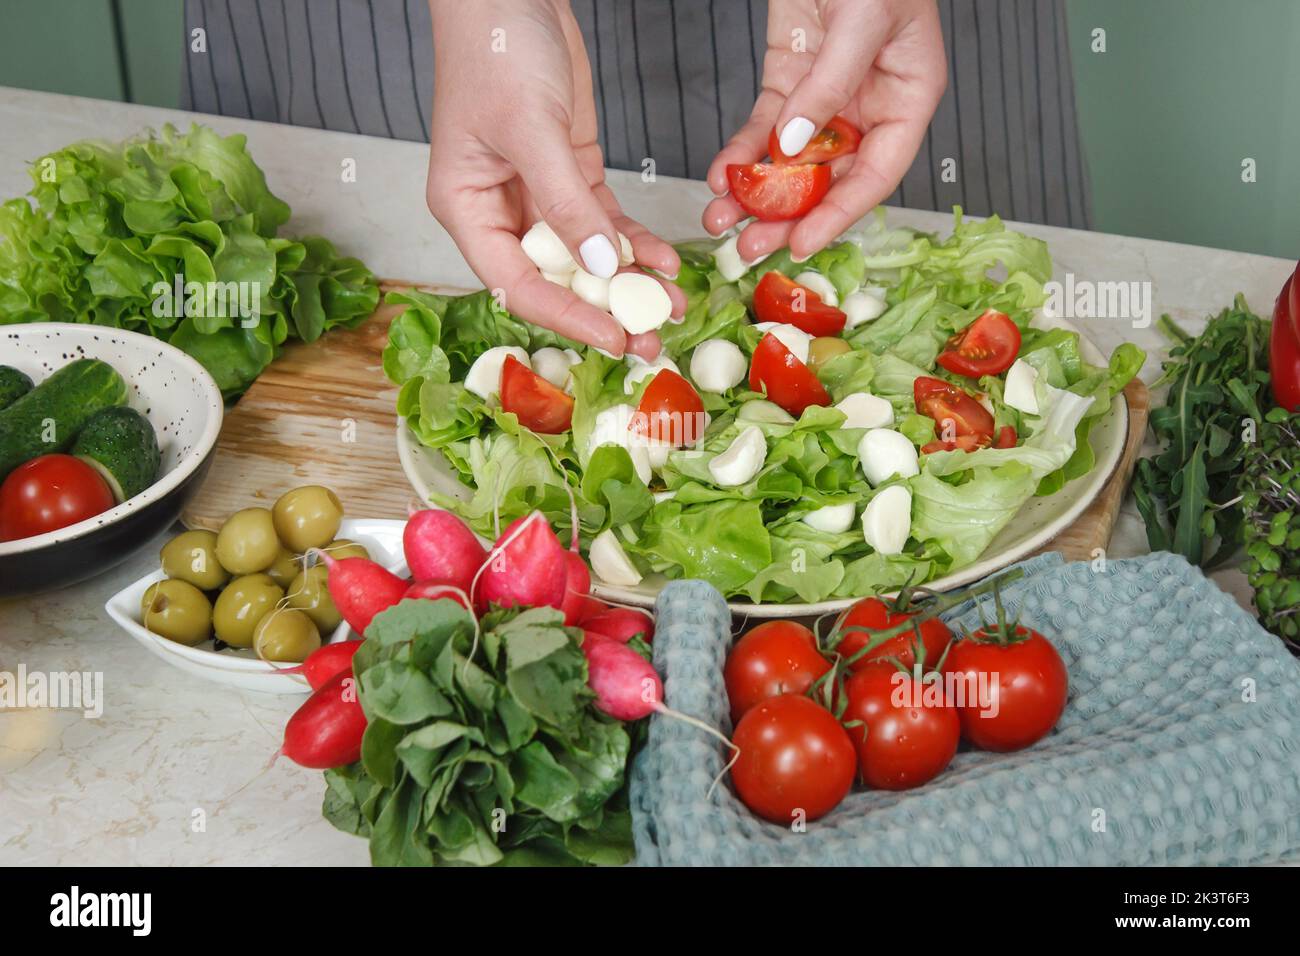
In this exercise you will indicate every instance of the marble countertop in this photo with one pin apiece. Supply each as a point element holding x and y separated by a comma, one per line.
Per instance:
<point>175,770</point>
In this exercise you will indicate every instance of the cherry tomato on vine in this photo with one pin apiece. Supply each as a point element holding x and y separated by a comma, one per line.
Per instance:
<point>795,758</point>
<point>1026,686</point>
<point>906,732</point>
<point>778,657</point>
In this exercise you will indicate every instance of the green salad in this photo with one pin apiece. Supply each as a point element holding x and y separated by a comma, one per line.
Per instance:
<point>770,505</point>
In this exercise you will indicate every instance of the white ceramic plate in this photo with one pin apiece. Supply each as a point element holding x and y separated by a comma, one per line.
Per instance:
<point>242,668</point>
<point>1038,521</point>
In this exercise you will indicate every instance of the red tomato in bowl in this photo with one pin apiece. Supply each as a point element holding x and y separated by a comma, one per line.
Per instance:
<point>772,193</point>
<point>1026,684</point>
<point>670,411</point>
<point>988,346</point>
<point>777,299</point>
<point>48,493</point>
<point>788,382</point>
<point>775,658</point>
<point>795,758</point>
<point>838,138</point>
<point>905,732</point>
<point>948,403</point>
<point>539,405</point>
<point>875,614</point>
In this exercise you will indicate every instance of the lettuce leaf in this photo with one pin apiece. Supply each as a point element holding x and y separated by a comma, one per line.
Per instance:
<point>110,230</point>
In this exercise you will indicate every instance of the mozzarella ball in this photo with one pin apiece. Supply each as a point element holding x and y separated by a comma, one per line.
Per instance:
<point>717,366</point>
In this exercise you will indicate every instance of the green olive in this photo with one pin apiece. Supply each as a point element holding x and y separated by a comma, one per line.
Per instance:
<point>284,568</point>
<point>307,517</point>
<point>285,635</point>
<point>310,594</point>
<point>178,611</point>
<point>191,556</point>
<point>345,548</point>
<point>824,348</point>
<point>240,607</point>
<point>247,543</point>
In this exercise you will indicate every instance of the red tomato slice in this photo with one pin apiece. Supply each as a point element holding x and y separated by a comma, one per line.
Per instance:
<point>944,403</point>
<point>988,346</point>
<point>838,138</point>
<point>787,381</point>
<point>671,411</point>
<point>777,299</point>
<point>772,193</point>
<point>963,442</point>
<point>539,405</point>
<point>48,493</point>
<point>1007,437</point>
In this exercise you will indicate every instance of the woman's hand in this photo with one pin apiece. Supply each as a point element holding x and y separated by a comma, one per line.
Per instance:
<point>514,141</point>
<point>878,63</point>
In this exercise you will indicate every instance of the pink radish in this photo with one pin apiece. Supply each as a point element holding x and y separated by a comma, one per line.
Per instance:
<point>326,661</point>
<point>441,547</point>
<point>621,623</point>
<point>361,589</point>
<point>626,686</point>
<point>434,590</point>
<point>577,585</point>
<point>527,566</point>
<point>326,730</point>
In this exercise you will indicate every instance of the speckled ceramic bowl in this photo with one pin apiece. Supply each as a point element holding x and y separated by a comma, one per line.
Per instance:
<point>183,404</point>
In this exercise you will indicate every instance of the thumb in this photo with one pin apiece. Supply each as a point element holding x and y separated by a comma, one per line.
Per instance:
<point>566,202</point>
<point>839,67</point>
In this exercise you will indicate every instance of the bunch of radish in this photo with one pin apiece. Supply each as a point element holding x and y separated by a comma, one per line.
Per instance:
<point>528,566</point>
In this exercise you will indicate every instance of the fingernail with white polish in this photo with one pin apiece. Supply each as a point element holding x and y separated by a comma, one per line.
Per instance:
<point>796,134</point>
<point>599,256</point>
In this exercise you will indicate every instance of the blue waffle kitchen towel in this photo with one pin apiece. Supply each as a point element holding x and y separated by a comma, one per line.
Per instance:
<point>1179,744</point>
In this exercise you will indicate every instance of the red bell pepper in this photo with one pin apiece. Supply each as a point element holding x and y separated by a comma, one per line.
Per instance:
<point>1284,346</point>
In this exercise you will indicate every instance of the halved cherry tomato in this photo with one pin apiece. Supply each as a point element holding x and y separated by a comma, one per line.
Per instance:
<point>787,381</point>
<point>963,442</point>
<point>988,346</point>
<point>875,615</point>
<point>948,403</point>
<point>1006,437</point>
<point>838,138</point>
<point>671,411</point>
<point>777,299</point>
<point>48,493</point>
<point>539,405</point>
<point>772,193</point>
<point>775,658</point>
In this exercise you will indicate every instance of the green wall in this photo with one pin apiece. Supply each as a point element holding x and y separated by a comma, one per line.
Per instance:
<point>71,46</point>
<point>1184,92</point>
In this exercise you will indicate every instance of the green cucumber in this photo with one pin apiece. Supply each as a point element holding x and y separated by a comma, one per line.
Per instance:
<point>121,445</point>
<point>13,385</point>
<point>48,417</point>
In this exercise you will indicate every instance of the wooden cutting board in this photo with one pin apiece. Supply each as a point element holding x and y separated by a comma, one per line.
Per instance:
<point>324,414</point>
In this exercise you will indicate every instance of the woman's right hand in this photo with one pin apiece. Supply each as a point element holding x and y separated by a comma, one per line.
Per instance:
<point>514,142</point>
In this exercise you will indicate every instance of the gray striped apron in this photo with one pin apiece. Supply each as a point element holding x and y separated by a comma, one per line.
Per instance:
<point>680,75</point>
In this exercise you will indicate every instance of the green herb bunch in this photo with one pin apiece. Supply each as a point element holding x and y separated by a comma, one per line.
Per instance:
<point>1270,501</point>
<point>1217,380</point>
<point>484,748</point>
